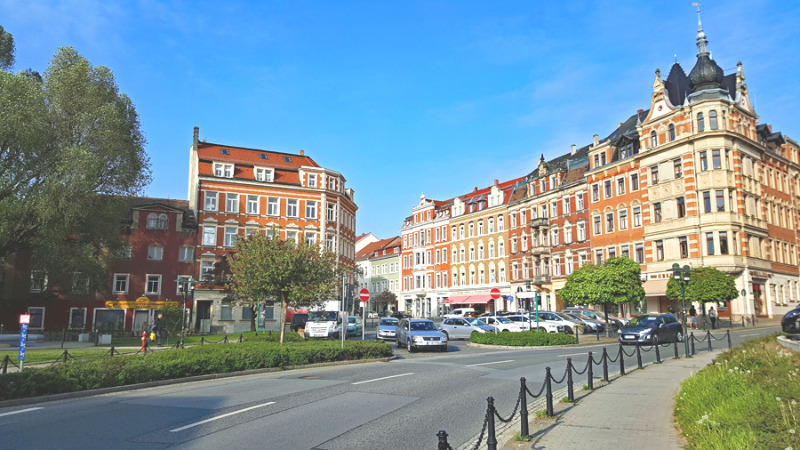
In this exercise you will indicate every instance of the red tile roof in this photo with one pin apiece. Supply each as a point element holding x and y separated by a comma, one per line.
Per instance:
<point>252,156</point>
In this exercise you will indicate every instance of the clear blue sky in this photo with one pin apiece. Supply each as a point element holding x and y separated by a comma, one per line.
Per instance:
<point>404,97</point>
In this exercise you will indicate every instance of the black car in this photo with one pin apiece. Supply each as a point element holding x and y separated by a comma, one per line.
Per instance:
<point>298,321</point>
<point>791,322</point>
<point>651,329</point>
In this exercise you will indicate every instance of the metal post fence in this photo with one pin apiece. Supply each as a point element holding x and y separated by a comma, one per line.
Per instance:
<point>621,360</point>
<point>549,390</point>
<point>5,364</point>
<point>639,355</point>
<point>570,389</point>
<point>523,411</point>
<point>708,338</point>
<point>605,365</point>
<point>693,350</point>
<point>491,440</point>
<point>590,373</point>
<point>577,334</point>
<point>658,353</point>
<point>729,339</point>
<point>675,344</point>
<point>443,445</point>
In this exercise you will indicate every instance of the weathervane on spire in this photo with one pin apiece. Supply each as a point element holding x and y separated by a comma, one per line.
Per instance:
<point>702,43</point>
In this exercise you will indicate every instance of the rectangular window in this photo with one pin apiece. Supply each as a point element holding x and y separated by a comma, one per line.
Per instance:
<point>252,204</point>
<point>579,199</point>
<point>37,317</point>
<point>186,254</point>
<point>620,186</point>
<point>566,205</point>
<point>597,225</point>
<point>612,252</point>
<point>637,216</point>
<point>226,311</point>
<point>230,236</point>
<point>707,201</point>
<point>273,206</point>
<point>640,253</point>
<point>211,201</point>
<point>683,243</point>
<point>723,242</point>
<point>715,159</point>
<point>223,170</point>
<point>710,243</point>
<point>291,208</point>
<point>77,317</point>
<point>207,270</point>
<point>626,251</point>
<point>634,182</point>
<point>209,235</point>
<point>595,193</point>
<point>678,168</point>
<point>312,180</point>
<point>581,232</point>
<point>623,219</point>
<point>720,200</point>
<point>567,234</point>
<point>609,222</point>
<point>331,212</point>
<point>231,203</point>
<point>311,238</point>
<point>153,284</point>
<point>311,210</point>
<point>607,188</point>
<point>703,161</point>
<point>599,257</point>
<point>654,175</point>
<point>263,174</point>
<point>121,283</point>
<point>657,212</point>
<point>681,203</point>
<point>659,250</point>
<point>155,252</point>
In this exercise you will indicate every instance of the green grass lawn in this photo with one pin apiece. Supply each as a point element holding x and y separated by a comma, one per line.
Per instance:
<point>749,398</point>
<point>50,355</point>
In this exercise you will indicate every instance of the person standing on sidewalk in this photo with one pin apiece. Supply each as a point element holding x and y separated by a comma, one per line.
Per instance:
<point>158,328</point>
<point>692,317</point>
<point>713,316</point>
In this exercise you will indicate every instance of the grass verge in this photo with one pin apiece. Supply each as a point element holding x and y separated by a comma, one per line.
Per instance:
<point>749,398</point>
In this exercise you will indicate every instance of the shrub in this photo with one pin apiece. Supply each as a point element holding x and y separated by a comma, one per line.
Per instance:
<point>523,339</point>
<point>179,363</point>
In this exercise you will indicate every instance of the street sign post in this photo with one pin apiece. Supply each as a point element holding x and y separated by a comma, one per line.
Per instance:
<point>363,294</point>
<point>24,321</point>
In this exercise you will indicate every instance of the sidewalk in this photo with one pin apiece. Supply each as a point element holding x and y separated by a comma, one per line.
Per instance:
<point>629,413</point>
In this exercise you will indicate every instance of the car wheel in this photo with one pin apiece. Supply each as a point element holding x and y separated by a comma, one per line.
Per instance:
<point>679,337</point>
<point>446,335</point>
<point>409,347</point>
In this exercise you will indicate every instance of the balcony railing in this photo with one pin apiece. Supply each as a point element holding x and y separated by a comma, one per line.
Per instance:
<point>541,280</point>
<point>539,222</point>
<point>540,250</point>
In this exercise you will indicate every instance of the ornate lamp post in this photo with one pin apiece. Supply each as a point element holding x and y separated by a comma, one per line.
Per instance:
<point>185,284</point>
<point>681,275</point>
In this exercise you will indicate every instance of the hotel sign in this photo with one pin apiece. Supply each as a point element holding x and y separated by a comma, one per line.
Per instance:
<point>140,303</point>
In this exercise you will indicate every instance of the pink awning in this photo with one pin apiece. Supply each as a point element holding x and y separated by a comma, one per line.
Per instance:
<point>470,299</point>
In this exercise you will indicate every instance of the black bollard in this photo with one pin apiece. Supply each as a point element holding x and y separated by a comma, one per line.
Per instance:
<point>523,408</point>
<point>605,365</point>
<point>577,338</point>
<point>658,353</point>
<point>708,338</point>
<point>65,355</point>
<point>570,389</point>
<point>621,360</point>
<point>202,340</point>
<point>225,340</point>
<point>549,392</point>
<point>5,364</point>
<point>675,344</point>
<point>598,335</point>
<point>729,339</point>
<point>693,351</point>
<point>111,352</point>
<point>639,355</point>
<point>590,373</point>
<point>491,440</point>
<point>63,337</point>
<point>443,445</point>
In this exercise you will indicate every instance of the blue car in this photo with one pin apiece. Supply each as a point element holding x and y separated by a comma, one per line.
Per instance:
<point>354,326</point>
<point>387,329</point>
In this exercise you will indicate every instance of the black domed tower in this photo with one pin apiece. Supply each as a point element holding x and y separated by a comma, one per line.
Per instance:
<point>706,75</point>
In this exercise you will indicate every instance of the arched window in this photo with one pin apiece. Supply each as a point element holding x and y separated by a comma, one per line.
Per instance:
<point>653,139</point>
<point>152,221</point>
<point>162,222</point>
<point>712,120</point>
<point>671,132</point>
<point>700,124</point>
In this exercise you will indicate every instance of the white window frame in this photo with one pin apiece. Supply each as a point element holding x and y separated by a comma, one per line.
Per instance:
<point>38,275</point>
<point>232,203</point>
<point>273,206</point>
<point>209,231</point>
<point>311,209</point>
<point>230,236</point>
<point>155,278</point>
<point>264,174</point>
<point>211,201</point>
<point>312,180</point>
<point>252,204</point>
<point>71,325</point>
<point>206,270</point>
<point>224,170</point>
<point>155,253</point>
<point>186,254</point>
<point>292,205</point>
<point>44,310</point>
<point>118,277</point>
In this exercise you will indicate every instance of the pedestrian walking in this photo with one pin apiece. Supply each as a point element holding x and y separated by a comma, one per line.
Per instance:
<point>713,316</point>
<point>692,317</point>
<point>158,328</point>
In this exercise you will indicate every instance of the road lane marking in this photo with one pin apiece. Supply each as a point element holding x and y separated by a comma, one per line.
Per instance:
<point>573,354</point>
<point>746,335</point>
<point>384,378</point>
<point>488,363</point>
<point>21,411</point>
<point>220,417</point>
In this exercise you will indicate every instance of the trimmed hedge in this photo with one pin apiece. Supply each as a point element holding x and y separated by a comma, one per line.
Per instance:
<point>523,339</point>
<point>170,364</point>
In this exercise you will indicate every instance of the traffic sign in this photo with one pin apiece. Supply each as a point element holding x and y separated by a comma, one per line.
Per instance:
<point>24,319</point>
<point>363,294</point>
<point>495,293</point>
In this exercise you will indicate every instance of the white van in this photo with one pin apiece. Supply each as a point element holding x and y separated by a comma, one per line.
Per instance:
<point>459,312</point>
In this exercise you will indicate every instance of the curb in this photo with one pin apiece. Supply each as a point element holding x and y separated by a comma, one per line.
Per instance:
<point>150,384</point>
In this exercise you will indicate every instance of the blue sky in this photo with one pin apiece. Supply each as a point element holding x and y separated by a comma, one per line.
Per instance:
<point>404,97</point>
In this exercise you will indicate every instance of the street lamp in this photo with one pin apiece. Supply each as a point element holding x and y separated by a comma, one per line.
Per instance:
<point>184,284</point>
<point>682,275</point>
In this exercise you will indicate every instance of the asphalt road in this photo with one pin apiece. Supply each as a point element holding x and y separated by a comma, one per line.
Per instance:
<point>399,404</point>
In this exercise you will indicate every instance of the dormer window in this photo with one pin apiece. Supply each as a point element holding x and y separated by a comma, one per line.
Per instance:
<point>287,159</point>
<point>264,156</point>
<point>223,170</point>
<point>224,151</point>
<point>264,174</point>
<point>312,180</point>
<point>157,222</point>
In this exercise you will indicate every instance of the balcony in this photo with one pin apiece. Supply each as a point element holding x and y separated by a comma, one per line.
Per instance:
<point>540,222</point>
<point>540,280</point>
<point>540,250</point>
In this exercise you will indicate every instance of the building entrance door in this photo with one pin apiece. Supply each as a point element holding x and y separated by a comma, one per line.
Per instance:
<point>141,321</point>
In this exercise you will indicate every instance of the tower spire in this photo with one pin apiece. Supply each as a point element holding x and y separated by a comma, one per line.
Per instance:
<point>702,42</point>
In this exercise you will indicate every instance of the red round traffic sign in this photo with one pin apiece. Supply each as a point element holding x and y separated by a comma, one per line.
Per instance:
<point>495,293</point>
<point>363,294</point>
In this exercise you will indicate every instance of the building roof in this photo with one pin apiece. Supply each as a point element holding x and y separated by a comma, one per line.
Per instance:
<point>160,204</point>
<point>286,166</point>
<point>369,251</point>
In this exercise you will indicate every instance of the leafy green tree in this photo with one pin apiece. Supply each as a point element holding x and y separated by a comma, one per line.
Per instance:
<point>286,272</point>
<point>384,299</point>
<point>6,49</point>
<point>615,282</point>
<point>171,320</point>
<point>706,285</point>
<point>71,150</point>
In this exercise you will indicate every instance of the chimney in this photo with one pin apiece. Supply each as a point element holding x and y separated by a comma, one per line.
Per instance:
<point>639,111</point>
<point>595,140</point>
<point>302,153</point>
<point>572,151</point>
<point>195,137</point>
<point>496,182</point>
<point>475,189</point>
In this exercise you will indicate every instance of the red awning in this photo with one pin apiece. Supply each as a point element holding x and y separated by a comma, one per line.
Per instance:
<point>470,299</point>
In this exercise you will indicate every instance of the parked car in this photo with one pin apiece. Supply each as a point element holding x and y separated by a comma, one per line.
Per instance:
<point>372,315</point>
<point>459,312</point>
<point>561,319</point>
<point>400,315</point>
<point>651,329</point>
<point>589,325</point>
<point>354,326</point>
<point>463,327</point>
<point>615,323</point>
<point>298,321</point>
<point>417,334</point>
<point>387,328</point>
<point>502,323</point>
<point>544,325</point>
<point>791,322</point>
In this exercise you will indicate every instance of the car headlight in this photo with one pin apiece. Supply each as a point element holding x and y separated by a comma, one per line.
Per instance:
<point>646,333</point>
<point>443,338</point>
<point>418,339</point>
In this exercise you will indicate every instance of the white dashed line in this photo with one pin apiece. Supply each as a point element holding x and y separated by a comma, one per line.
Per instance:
<point>488,363</point>
<point>21,411</point>
<point>384,378</point>
<point>220,417</point>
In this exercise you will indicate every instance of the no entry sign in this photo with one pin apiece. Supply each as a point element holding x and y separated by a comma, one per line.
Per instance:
<point>363,294</point>
<point>495,293</point>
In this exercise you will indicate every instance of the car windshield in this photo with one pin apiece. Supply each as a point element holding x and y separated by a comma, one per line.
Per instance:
<point>389,322</point>
<point>423,326</point>
<point>503,320</point>
<point>352,319</point>
<point>321,316</point>
<point>642,321</point>
<point>564,316</point>
<point>476,322</point>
